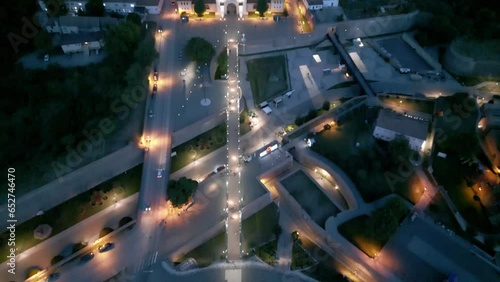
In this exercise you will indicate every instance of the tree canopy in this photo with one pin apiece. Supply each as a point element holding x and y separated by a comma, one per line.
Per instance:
<point>261,7</point>
<point>134,18</point>
<point>94,8</point>
<point>399,149</point>
<point>45,111</point>
<point>199,50</point>
<point>385,220</point>
<point>181,190</point>
<point>199,7</point>
<point>122,39</point>
<point>476,19</point>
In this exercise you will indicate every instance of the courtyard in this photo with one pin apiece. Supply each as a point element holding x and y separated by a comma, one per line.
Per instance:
<point>268,77</point>
<point>310,197</point>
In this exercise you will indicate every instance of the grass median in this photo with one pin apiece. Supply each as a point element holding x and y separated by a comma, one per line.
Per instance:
<point>198,147</point>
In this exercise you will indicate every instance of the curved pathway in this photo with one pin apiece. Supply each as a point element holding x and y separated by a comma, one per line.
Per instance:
<point>346,186</point>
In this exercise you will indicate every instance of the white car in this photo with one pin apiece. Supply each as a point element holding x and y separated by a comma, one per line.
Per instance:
<point>247,158</point>
<point>183,72</point>
<point>159,175</point>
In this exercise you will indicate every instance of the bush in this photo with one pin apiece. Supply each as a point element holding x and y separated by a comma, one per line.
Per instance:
<point>78,246</point>
<point>326,106</point>
<point>32,271</point>
<point>124,221</point>
<point>105,231</point>
<point>299,121</point>
<point>311,115</point>
<point>56,259</point>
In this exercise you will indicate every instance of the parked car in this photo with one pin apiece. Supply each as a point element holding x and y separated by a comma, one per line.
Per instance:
<point>86,258</point>
<point>155,75</point>
<point>106,247</point>
<point>151,113</point>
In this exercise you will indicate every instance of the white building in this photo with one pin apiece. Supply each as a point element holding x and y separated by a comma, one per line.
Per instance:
<point>222,8</point>
<point>152,6</point>
<point>70,24</point>
<point>81,42</point>
<point>120,6</point>
<point>391,124</point>
<point>116,6</point>
<point>320,4</point>
<point>330,3</point>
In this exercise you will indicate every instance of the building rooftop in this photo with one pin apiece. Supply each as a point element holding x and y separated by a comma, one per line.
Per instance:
<point>119,1</point>
<point>393,121</point>
<point>315,2</point>
<point>83,22</point>
<point>83,37</point>
<point>148,2</point>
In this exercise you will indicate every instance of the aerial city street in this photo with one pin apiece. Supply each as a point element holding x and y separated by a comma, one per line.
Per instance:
<point>250,140</point>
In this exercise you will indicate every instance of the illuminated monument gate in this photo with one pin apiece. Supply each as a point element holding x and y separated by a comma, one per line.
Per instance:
<point>231,8</point>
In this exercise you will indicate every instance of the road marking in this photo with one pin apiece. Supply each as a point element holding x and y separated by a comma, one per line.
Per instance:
<point>155,256</point>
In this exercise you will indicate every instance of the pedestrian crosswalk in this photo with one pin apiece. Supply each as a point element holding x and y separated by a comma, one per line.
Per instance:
<point>146,262</point>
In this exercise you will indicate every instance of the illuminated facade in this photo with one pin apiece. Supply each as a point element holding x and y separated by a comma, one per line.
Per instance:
<point>223,8</point>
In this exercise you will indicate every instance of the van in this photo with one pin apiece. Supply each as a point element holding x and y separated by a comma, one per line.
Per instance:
<point>263,105</point>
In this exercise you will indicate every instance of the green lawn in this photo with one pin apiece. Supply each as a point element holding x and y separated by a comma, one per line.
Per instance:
<point>355,231</point>
<point>460,194</point>
<point>259,228</point>
<point>256,230</point>
<point>198,147</point>
<point>408,104</point>
<point>371,233</point>
<point>76,209</point>
<point>244,122</point>
<point>365,165</point>
<point>267,252</point>
<point>221,64</point>
<point>300,258</point>
<point>268,77</point>
<point>208,252</point>
<point>310,197</point>
<point>327,269</point>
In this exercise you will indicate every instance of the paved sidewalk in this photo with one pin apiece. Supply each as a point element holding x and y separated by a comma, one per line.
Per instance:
<point>74,183</point>
<point>285,244</point>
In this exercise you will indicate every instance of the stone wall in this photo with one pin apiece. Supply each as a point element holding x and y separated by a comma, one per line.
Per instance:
<point>375,26</point>
<point>467,66</point>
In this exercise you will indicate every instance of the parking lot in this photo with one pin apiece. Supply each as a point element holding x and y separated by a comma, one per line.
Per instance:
<point>404,53</point>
